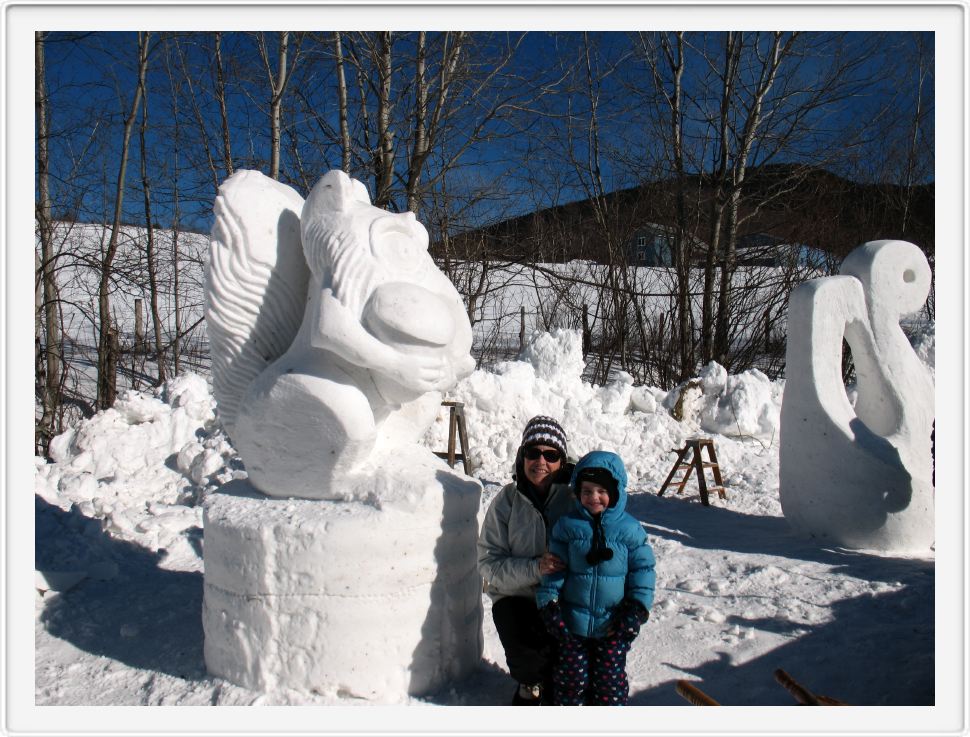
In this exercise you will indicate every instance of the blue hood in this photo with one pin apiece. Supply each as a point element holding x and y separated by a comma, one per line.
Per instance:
<point>612,463</point>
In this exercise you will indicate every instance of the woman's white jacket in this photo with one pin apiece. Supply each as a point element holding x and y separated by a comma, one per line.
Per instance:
<point>513,538</point>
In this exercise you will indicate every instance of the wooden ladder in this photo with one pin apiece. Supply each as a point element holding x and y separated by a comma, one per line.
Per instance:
<point>696,462</point>
<point>456,427</point>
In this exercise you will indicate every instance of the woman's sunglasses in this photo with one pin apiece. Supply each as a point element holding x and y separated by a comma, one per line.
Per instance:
<point>552,456</point>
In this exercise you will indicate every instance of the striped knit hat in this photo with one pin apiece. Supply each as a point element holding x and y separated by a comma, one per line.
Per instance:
<point>543,430</point>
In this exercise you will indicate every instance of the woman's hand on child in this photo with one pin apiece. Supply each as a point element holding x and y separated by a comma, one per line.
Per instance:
<point>550,563</point>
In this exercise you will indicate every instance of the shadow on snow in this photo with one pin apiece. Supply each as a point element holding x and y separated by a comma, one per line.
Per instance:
<point>145,617</point>
<point>876,649</point>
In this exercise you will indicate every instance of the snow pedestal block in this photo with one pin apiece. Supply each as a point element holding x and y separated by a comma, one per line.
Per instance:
<point>351,598</point>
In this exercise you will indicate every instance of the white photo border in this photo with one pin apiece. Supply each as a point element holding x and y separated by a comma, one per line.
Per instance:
<point>949,22</point>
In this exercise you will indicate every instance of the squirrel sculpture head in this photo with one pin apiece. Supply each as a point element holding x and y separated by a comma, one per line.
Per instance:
<point>353,247</point>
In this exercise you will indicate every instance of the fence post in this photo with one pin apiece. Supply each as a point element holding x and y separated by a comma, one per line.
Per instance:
<point>586,331</point>
<point>521,327</point>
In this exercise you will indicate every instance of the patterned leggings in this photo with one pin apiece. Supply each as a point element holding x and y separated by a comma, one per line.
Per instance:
<point>591,672</point>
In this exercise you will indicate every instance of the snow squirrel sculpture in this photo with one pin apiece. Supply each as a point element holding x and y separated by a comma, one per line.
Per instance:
<point>332,331</point>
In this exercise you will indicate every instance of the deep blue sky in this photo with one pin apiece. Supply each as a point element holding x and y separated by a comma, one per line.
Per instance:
<point>524,162</point>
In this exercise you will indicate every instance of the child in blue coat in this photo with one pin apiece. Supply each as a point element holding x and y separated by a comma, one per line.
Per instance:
<point>596,606</point>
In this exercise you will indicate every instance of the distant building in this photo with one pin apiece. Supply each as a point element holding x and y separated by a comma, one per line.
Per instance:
<point>653,244</point>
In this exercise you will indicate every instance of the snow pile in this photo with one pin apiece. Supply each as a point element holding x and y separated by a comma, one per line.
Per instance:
<point>746,404</point>
<point>634,421</point>
<point>140,467</point>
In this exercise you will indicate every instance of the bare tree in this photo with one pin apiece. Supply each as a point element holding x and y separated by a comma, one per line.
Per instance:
<point>193,97</point>
<point>342,104</point>
<point>278,82</point>
<point>150,256</point>
<point>763,97</point>
<point>384,157</point>
<point>175,89</point>
<point>924,69</point>
<point>49,358</point>
<point>728,80</point>
<point>666,61</point>
<point>419,146</point>
<point>766,73</point>
<point>428,124</point>
<point>107,334</point>
<point>220,93</point>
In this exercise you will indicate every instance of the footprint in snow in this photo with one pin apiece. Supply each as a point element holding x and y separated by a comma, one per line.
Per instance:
<point>691,586</point>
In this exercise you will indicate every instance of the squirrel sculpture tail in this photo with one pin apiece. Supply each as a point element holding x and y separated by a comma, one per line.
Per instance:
<point>256,283</point>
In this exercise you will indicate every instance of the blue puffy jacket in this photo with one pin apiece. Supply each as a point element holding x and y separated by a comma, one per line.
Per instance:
<point>588,594</point>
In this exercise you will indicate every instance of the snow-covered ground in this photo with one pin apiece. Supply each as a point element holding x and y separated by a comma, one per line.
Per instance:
<point>118,550</point>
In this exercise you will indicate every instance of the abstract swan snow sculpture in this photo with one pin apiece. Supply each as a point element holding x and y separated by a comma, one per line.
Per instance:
<point>859,477</point>
<point>331,329</point>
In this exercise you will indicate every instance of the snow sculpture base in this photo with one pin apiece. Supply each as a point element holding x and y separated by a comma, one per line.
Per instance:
<point>361,599</point>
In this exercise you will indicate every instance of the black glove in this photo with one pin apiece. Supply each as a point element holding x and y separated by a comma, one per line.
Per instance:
<point>628,618</point>
<point>551,616</point>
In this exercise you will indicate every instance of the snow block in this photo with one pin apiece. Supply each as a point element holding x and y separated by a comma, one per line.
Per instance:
<point>860,477</point>
<point>354,598</point>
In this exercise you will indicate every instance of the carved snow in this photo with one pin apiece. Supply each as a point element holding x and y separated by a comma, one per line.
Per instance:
<point>381,331</point>
<point>859,477</point>
<point>333,336</point>
<point>256,282</point>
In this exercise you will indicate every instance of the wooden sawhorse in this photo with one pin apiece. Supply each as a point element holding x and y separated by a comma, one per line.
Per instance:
<point>456,428</point>
<point>696,462</point>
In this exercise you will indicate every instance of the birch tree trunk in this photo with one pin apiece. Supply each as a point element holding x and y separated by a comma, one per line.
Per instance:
<point>672,53</point>
<point>682,248</point>
<point>419,149</point>
<point>732,56</point>
<point>107,334</point>
<point>342,104</point>
<point>46,293</point>
<point>428,118</point>
<point>277,84</point>
<point>175,87</point>
<point>276,106</point>
<point>150,259</point>
<point>223,114</point>
<point>752,122</point>
<point>385,136</point>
